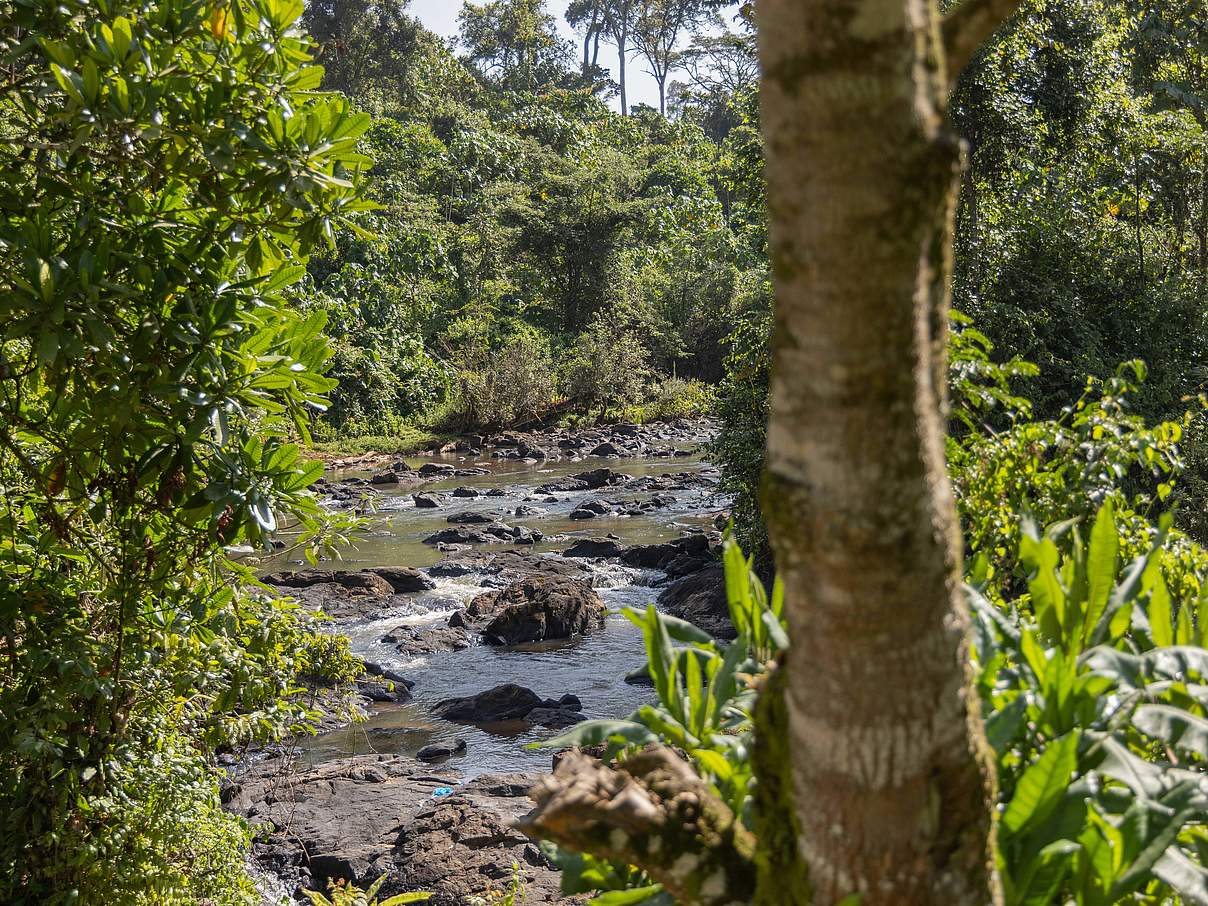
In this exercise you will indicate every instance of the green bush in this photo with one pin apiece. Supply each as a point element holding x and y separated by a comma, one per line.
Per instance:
<point>673,397</point>
<point>504,387</point>
<point>606,367</point>
<point>166,171</point>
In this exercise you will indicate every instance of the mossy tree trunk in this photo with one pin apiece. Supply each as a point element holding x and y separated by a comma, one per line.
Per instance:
<point>891,784</point>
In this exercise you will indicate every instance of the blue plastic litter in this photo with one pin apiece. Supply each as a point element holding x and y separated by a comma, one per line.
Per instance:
<point>441,791</point>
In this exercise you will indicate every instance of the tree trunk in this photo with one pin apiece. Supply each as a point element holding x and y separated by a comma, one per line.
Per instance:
<point>888,763</point>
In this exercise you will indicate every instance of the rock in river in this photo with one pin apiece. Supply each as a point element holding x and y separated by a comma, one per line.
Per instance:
<point>700,598</point>
<point>441,751</point>
<point>506,702</point>
<point>595,547</point>
<point>532,610</point>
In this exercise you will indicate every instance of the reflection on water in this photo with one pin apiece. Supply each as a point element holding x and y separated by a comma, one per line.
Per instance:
<point>592,667</point>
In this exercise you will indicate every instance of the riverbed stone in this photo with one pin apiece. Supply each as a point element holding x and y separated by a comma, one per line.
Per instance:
<point>357,818</point>
<point>595,548</point>
<point>701,599</point>
<point>509,565</point>
<point>428,501</point>
<point>554,718</point>
<point>434,469</point>
<point>502,703</point>
<point>474,517</point>
<point>414,641</point>
<point>440,751</point>
<point>601,478</point>
<point>532,610</point>
<point>404,579</point>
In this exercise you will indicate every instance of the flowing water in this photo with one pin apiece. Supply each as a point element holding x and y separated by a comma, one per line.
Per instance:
<point>592,667</point>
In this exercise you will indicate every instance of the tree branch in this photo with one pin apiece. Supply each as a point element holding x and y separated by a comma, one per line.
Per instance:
<point>651,811</point>
<point>969,26</point>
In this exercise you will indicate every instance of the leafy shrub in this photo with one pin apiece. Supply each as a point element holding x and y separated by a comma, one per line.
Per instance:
<point>154,374</point>
<point>671,398</point>
<point>506,386</point>
<point>1092,686</point>
<point>606,367</point>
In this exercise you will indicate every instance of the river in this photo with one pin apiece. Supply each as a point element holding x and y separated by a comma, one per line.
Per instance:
<point>592,667</point>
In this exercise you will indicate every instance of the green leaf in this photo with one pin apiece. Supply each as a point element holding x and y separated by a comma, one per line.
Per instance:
<point>1174,726</point>
<point>1102,562</point>
<point>1042,786</point>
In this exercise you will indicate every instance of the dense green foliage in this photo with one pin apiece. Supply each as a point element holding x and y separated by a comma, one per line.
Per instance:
<point>532,248</point>
<point>167,166</point>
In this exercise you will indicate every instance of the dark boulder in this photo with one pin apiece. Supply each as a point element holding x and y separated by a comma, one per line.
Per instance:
<point>601,478</point>
<point>364,581</point>
<point>533,610</point>
<point>701,599</point>
<point>509,565</point>
<point>554,718</point>
<point>427,501</point>
<point>441,751</point>
<point>660,556</point>
<point>404,579</point>
<point>434,469</point>
<point>383,691</point>
<point>506,702</point>
<point>595,547</point>
<point>606,449</point>
<point>470,517</point>
<point>466,492</point>
<point>413,641</point>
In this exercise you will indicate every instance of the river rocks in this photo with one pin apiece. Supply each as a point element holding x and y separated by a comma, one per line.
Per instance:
<point>590,509</point>
<point>340,594</point>
<point>606,449</point>
<point>383,691</point>
<point>441,751</point>
<point>357,818</point>
<point>363,580</point>
<point>594,548</point>
<point>689,549</point>
<point>472,517</point>
<point>601,478</point>
<point>428,501</point>
<point>373,668</point>
<point>508,566</point>
<point>554,718</point>
<point>700,599</point>
<point>506,702</point>
<point>488,533</point>
<point>437,470</point>
<point>466,492</point>
<point>510,702</point>
<point>533,610</point>
<point>463,846</point>
<point>414,641</point>
<point>404,579</point>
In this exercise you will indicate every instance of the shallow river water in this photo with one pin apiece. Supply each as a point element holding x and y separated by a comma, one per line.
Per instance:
<point>592,667</point>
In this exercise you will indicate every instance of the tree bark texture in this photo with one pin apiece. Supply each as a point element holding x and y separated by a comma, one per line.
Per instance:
<point>890,776</point>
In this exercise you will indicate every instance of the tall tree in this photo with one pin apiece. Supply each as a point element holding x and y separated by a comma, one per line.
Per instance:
<point>513,42</point>
<point>882,788</point>
<point>657,29</point>
<point>885,735</point>
<point>588,16</point>
<point>618,24</point>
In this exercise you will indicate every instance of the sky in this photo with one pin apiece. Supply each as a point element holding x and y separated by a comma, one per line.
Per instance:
<point>440,16</point>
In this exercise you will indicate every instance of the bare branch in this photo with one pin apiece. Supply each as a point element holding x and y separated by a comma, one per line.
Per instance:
<point>651,811</point>
<point>969,26</point>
